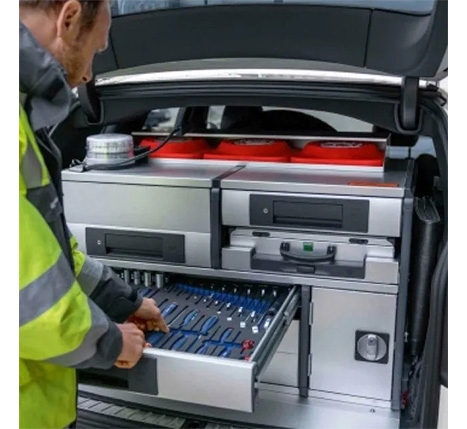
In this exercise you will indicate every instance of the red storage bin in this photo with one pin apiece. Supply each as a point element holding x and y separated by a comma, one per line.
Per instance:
<point>340,153</point>
<point>251,150</point>
<point>180,149</point>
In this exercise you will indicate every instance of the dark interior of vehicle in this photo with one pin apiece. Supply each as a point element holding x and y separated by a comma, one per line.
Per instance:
<point>252,120</point>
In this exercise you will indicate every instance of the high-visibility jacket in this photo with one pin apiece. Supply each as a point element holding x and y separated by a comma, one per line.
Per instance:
<point>68,302</point>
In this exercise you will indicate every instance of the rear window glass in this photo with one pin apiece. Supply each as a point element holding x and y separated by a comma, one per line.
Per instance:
<point>221,118</point>
<point>161,120</point>
<point>127,7</point>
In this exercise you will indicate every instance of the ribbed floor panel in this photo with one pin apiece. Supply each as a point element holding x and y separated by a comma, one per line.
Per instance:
<point>95,413</point>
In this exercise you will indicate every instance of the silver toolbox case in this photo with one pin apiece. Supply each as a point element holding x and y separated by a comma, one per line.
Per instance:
<point>334,256</point>
<point>169,203</point>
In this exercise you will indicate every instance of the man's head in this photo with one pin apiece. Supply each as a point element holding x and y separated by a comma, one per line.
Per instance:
<point>73,31</point>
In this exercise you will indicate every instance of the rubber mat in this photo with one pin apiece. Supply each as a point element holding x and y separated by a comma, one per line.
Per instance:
<point>94,412</point>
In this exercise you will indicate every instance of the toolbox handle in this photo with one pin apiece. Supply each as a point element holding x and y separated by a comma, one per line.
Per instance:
<point>307,257</point>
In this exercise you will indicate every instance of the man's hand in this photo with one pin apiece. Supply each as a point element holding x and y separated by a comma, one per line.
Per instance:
<point>148,317</point>
<point>133,345</point>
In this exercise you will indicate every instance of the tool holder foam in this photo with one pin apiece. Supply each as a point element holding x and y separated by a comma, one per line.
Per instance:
<point>223,320</point>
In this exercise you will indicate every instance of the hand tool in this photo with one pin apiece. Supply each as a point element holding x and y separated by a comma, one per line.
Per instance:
<point>233,299</point>
<point>247,345</point>
<point>240,301</point>
<point>207,325</point>
<point>267,312</point>
<point>147,279</point>
<point>244,303</point>
<point>169,310</point>
<point>253,305</point>
<point>126,276</point>
<point>136,278</point>
<point>207,343</point>
<point>146,291</point>
<point>210,294</point>
<point>203,349</point>
<point>192,315</point>
<point>225,335</point>
<point>268,316</point>
<point>228,299</point>
<point>160,281</point>
<point>180,342</point>
<point>216,299</point>
<point>267,322</point>
<point>153,336</point>
<point>228,345</point>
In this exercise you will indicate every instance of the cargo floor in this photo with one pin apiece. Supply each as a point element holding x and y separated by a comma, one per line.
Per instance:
<point>95,412</point>
<point>273,410</point>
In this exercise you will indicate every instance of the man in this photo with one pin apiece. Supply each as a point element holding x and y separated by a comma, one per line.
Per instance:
<point>72,308</point>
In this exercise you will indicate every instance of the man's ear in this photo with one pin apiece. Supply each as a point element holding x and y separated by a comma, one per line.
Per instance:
<point>69,21</point>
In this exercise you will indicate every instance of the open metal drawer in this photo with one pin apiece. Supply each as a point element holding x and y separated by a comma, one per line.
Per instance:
<point>215,381</point>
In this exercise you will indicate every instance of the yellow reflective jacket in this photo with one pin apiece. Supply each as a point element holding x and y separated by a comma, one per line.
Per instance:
<point>68,302</point>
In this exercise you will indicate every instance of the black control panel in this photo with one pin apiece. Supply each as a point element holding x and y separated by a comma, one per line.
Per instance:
<point>309,212</point>
<point>146,246</point>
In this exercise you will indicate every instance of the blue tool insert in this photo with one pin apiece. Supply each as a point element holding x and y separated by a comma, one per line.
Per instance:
<point>214,318</point>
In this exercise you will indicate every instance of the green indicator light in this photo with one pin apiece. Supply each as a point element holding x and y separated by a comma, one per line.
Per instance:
<point>308,247</point>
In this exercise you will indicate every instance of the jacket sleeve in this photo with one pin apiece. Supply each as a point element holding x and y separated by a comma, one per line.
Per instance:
<point>58,323</point>
<point>116,298</point>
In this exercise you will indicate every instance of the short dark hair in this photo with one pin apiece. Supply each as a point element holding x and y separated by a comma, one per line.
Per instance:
<point>90,9</point>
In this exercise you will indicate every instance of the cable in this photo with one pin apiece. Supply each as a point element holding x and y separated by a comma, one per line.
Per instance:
<point>128,162</point>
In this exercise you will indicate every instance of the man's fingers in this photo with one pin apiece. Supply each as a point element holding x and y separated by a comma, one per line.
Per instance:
<point>163,326</point>
<point>152,320</point>
<point>124,364</point>
<point>157,325</point>
<point>159,322</point>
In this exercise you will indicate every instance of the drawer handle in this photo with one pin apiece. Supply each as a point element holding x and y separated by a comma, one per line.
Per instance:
<point>307,257</point>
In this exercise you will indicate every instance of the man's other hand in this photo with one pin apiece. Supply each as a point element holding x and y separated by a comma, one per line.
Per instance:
<point>133,345</point>
<point>148,317</point>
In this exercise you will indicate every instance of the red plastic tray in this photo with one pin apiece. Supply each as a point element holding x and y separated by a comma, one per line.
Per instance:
<point>181,149</point>
<point>251,150</point>
<point>337,153</point>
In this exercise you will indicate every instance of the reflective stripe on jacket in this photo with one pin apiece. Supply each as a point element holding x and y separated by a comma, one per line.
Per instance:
<point>59,325</point>
<point>68,302</point>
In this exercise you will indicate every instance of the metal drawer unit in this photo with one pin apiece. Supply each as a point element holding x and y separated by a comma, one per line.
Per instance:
<point>332,239</point>
<point>349,202</point>
<point>210,380</point>
<point>333,230</point>
<point>141,213</point>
